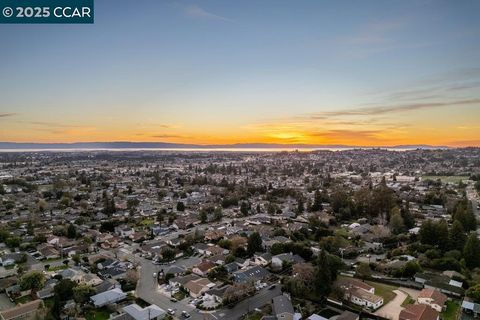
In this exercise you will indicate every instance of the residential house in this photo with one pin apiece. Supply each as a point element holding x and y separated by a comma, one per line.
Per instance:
<point>197,287</point>
<point>135,312</point>
<point>418,312</point>
<point>432,298</point>
<point>23,311</point>
<point>360,293</point>
<point>471,307</point>
<point>203,268</point>
<point>283,308</point>
<point>279,260</point>
<point>255,274</point>
<point>108,297</point>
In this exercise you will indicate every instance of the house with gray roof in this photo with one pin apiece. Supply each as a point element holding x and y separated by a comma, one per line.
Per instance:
<point>283,308</point>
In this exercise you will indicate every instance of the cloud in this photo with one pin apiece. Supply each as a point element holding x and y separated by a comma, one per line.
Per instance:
<point>380,110</point>
<point>197,12</point>
<point>166,136</point>
<point>5,115</point>
<point>375,33</point>
<point>343,134</point>
<point>54,124</point>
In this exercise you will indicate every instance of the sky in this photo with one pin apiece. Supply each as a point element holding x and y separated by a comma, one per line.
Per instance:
<point>364,73</point>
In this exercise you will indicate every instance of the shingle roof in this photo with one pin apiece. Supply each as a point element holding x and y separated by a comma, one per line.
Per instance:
<point>281,304</point>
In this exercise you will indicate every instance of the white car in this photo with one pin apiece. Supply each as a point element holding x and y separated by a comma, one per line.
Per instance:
<point>170,311</point>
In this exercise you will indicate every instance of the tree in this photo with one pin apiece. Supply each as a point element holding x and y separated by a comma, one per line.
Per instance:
<point>82,293</point>
<point>71,231</point>
<point>203,216</point>
<point>407,216</point>
<point>363,270</point>
<point>217,214</point>
<point>456,236</point>
<point>76,258</point>
<point>411,268</point>
<point>434,233</point>
<point>322,277</point>
<point>300,206</point>
<point>42,205</point>
<point>254,243</point>
<point>168,254</point>
<point>64,289</point>
<point>471,251</point>
<point>244,208</point>
<point>397,224</point>
<point>32,281</point>
<point>474,293</point>
<point>317,201</point>
<point>180,206</point>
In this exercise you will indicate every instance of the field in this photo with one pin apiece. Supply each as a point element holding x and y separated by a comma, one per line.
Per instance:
<point>383,290</point>
<point>451,312</point>
<point>446,179</point>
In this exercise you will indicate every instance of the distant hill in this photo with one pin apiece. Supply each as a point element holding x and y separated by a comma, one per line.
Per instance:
<point>167,145</point>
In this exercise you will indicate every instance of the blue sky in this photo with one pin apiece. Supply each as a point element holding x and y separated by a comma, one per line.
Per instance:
<point>237,71</point>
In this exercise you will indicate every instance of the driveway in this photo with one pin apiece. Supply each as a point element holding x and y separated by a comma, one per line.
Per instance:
<point>392,309</point>
<point>413,293</point>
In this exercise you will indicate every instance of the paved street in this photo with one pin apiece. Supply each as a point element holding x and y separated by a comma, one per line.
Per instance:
<point>147,290</point>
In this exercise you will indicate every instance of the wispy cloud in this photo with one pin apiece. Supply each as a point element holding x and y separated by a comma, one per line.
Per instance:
<point>197,12</point>
<point>167,136</point>
<point>350,135</point>
<point>53,124</point>
<point>5,115</point>
<point>375,33</point>
<point>380,110</point>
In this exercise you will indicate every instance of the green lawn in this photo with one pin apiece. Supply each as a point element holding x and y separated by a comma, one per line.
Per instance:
<point>147,222</point>
<point>180,295</point>
<point>383,290</point>
<point>408,300</point>
<point>58,268</point>
<point>445,179</point>
<point>24,299</point>
<point>452,311</point>
<point>98,314</point>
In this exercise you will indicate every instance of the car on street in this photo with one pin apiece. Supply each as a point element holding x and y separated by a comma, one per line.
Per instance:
<point>170,311</point>
<point>185,314</point>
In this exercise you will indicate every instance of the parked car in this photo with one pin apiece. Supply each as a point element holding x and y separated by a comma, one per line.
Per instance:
<point>170,311</point>
<point>185,314</point>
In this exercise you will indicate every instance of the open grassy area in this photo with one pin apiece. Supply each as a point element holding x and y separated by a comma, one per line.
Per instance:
<point>383,290</point>
<point>24,299</point>
<point>98,314</point>
<point>58,268</point>
<point>446,179</point>
<point>180,295</point>
<point>452,311</point>
<point>147,222</point>
<point>408,300</point>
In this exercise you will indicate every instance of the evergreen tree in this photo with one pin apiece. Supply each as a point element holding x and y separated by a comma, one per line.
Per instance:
<point>254,243</point>
<point>322,277</point>
<point>407,216</point>
<point>471,251</point>
<point>396,221</point>
<point>457,236</point>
